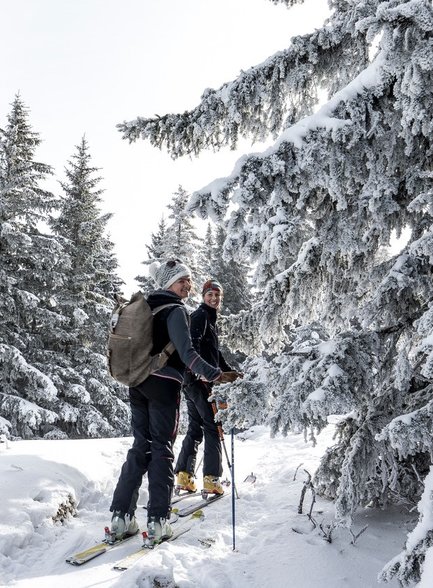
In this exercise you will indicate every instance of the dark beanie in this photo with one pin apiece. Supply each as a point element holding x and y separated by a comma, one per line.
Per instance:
<point>210,285</point>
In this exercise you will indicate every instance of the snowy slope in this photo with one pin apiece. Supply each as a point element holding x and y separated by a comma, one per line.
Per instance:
<point>275,546</point>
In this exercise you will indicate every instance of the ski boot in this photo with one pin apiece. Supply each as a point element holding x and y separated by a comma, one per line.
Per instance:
<point>184,481</point>
<point>158,530</point>
<point>122,525</point>
<point>211,485</point>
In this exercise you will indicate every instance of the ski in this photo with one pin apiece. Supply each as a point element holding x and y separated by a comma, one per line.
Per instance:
<point>80,558</point>
<point>144,550</point>
<point>179,497</point>
<point>183,512</point>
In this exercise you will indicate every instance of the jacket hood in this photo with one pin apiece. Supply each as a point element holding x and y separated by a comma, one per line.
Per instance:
<point>212,313</point>
<point>160,297</point>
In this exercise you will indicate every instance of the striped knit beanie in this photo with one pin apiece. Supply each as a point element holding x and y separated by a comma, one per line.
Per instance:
<point>166,273</point>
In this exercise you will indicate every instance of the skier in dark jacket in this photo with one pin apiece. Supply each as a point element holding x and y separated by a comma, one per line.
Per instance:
<point>201,412</point>
<point>155,409</point>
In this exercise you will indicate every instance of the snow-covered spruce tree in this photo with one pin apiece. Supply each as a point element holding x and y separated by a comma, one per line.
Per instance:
<point>155,252</point>
<point>183,241</point>
<point>233,276</point>
<point>175,239</point>
<point>92,403</point>
<point>206,253</point>
<point>314,212</point>
<point>409,435</point>
<point>407,566</point>
<point>30,262</point>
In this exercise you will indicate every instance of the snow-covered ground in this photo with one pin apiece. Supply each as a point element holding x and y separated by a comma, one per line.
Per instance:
<point>275,546</point>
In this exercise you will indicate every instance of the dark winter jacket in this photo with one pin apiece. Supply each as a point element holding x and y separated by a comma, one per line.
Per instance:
<point>172,324</point>
<point>204,335</point>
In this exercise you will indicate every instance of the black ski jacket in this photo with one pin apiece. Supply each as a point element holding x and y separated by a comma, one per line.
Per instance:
<point>172,324</point>
<point>204,335</point>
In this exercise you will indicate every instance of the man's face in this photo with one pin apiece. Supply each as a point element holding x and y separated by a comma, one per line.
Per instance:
<point>182,287</point>
<point>213,298</point>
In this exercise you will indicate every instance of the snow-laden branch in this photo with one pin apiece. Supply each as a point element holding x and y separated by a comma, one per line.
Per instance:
<point>288,3</point>
<point>213,199</point>
<point>257,103</point>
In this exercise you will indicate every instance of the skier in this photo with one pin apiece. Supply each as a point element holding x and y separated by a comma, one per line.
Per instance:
<point>155,409</point>
<point>201,422</point>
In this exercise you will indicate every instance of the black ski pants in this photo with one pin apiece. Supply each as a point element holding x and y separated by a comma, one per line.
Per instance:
<point>201,423</point>
<point>155,417</point>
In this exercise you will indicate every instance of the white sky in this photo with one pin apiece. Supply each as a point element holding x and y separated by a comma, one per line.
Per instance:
<point>82,66</point>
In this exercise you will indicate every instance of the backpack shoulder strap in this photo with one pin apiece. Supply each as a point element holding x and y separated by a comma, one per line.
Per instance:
<point>204,313</point>
<point>158,308</point>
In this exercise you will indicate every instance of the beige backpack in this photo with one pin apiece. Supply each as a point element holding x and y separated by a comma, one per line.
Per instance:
<point>130,341</point>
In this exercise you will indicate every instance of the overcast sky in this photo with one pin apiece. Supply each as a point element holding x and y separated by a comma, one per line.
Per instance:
<point>82,66</point>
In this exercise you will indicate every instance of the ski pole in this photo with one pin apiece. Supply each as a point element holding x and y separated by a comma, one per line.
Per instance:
<point>233,490</point>
<point>197,467</point>
<point>230,466</point>
<point>221,436</point>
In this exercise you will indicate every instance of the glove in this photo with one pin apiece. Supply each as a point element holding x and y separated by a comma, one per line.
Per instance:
<point>226,377</point>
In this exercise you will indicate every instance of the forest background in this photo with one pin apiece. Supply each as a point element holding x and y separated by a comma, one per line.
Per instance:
<point>338,324</point>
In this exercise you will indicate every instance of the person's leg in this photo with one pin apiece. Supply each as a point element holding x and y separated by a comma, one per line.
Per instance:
<point>194,436</point>
<point>138,457</point>
<point>163,397</point>
<point>212,459</point>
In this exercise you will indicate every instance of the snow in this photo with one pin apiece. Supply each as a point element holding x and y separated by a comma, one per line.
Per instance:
<point>275,546</point>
